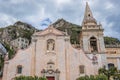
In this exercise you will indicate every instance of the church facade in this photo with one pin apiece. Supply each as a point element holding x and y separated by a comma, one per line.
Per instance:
<point>51,54</point>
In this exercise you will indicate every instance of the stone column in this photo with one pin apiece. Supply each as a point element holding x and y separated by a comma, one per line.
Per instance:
<point>104,60</point>
<point>57,74</point>
<point>67,57</point>
<point>118,63</point>
<point>33,61</point>
<point>5,70</point>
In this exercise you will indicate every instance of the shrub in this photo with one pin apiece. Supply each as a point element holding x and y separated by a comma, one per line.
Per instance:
<point>116,77</point>
<point>29,78</point>
<point>101,77</point>
<point>97,77</point>
<point>109,73</point>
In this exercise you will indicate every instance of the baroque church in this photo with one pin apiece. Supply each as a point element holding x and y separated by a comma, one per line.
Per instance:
<point>51,54</point>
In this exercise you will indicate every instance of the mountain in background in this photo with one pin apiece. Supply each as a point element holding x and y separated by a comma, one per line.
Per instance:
<point>19,29</point>
<point>72,29</point>
<point>12,32</point>
<point>111,41</point>
<point>24,30</point>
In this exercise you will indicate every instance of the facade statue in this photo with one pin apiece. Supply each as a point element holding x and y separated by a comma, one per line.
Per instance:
<point>50,45</point>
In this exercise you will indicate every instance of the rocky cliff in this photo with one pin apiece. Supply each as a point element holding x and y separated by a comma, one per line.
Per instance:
<point>19,29</point>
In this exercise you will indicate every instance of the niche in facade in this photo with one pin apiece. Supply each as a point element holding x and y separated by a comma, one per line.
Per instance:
<point>50,45</point>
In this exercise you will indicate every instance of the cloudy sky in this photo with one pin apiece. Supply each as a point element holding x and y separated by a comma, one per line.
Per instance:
<point>37,12</point>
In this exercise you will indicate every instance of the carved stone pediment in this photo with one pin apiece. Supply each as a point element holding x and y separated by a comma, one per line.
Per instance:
<point>48,31</point>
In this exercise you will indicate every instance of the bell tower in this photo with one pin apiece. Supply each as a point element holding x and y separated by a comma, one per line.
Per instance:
<point>91,37</point>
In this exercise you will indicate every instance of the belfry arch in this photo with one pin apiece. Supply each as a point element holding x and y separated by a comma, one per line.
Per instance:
<point>93,44</point>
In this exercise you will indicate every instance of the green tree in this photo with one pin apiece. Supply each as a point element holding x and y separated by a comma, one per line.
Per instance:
<point>111,40</point>
<point>92,77</point>
<point>109,73</point>
<point>116,77</point>
<point>101,77</point>
<point>11,51</point>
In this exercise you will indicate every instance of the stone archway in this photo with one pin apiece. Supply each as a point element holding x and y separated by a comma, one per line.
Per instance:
<point>51,74</point>
<point>93,44</point>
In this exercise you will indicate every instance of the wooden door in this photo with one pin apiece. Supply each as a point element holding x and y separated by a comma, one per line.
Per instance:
<point>50,78</point>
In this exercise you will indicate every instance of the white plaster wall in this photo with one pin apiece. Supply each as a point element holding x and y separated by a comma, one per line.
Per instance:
<point>66,59</point>
<point>79,58</point>
<point>42,57</point>
<point>85,43</point>
<point>22,57</point>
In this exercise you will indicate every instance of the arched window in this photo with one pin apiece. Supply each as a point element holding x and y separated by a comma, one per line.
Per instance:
<point>19,69</point>
<point>93,44</point>
<point>50,45</point>
<point>82,69</point>
<point>110,65</point>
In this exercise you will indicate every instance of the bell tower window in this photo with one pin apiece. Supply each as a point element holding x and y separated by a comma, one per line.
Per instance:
<point>89,15</point>
<point>93,44</point>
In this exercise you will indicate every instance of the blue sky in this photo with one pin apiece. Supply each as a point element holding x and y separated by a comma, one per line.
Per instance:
<point>36,12</point>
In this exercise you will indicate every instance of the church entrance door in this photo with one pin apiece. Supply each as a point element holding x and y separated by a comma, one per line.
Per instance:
<point>50,78</point>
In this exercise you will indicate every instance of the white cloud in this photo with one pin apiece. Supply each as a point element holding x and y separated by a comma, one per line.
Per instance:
<point>18,1</point>
<point>6,20</point>
<point>34,11</point>
<point>109,6</point>
<point>108,31</point>
<point>37,18</point>
<point>62,1</point>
